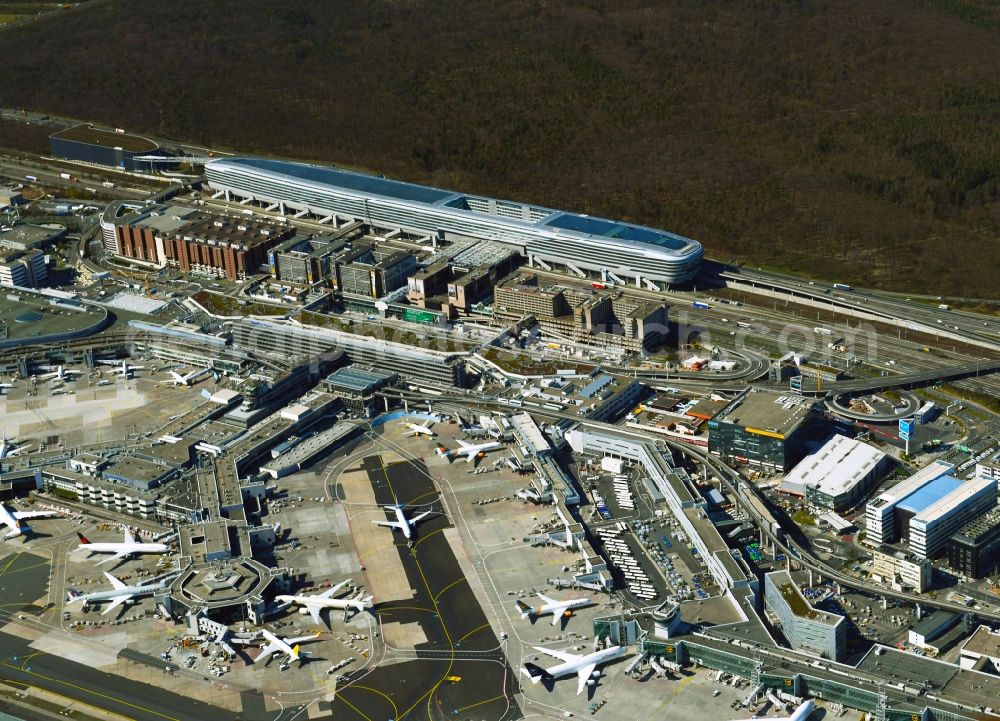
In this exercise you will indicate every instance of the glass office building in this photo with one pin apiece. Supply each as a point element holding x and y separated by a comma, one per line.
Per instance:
<point>541,234</point>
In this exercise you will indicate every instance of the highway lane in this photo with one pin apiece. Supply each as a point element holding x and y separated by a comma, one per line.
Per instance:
<point>969,324</point>
<point>87,177</point>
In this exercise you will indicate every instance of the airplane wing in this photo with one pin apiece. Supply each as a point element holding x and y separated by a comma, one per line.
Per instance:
<point>300,639</point>
<point>314,611</point>
<point>268,650</point>
<point>21,515</point>
<point>415,519</point>
<point>389,524</point>
<point>565,656</point>
<point>117,556</point>
<point>118,585</point>
<point>333,589</point>
<point>557,614</point>
<point>129,538</point>
<point>115,603</point>
<point>464,444</point>
<point>582,676</point>
<point>546,598</point>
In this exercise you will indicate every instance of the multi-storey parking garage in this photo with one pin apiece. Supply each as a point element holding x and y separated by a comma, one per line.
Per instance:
<point>543,235</point>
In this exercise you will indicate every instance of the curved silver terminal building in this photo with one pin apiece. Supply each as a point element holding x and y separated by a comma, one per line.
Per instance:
<point>582,243</point>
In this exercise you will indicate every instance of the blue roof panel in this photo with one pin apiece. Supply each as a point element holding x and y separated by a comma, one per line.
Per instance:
<point>614,229</point>
<point>929,494</point>
<point>359,182</point>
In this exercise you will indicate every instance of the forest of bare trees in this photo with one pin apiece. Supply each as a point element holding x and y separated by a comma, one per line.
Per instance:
<point>849,139</point>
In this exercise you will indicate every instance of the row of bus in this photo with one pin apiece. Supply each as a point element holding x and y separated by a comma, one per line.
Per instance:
<point>623,493</point>
<point>620,556</point>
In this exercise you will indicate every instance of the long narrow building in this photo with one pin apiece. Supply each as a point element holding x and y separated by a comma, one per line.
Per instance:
<point>589,246</point>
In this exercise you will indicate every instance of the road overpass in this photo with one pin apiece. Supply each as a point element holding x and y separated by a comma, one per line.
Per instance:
<point>916,379</point>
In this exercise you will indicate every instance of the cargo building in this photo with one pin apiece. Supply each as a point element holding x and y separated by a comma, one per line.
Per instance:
<point>838,475</point>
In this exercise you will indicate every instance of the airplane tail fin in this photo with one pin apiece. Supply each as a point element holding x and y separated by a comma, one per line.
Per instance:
<point>537,673</point>
<point>83,539</point>
<point>72,595</point>
<point>524,608</point>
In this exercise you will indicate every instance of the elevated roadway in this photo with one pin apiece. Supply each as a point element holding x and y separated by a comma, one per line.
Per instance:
<point>914,379</point>
<point>963,327</point>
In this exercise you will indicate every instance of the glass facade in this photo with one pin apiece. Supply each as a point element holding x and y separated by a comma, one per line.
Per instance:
<point>552,236</point>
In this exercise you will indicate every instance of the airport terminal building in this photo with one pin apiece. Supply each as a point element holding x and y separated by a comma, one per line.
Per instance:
<point>590,246</point>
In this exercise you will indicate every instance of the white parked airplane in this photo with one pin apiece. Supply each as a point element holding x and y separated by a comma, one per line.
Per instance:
<point>125,369</point>
<point>8,448</point>
<point>402,523</point>
<point>12,520</point>
<point>288,646</point>
<point>128,547</point>
<point>61,373</point>
<point>317,603</point>
<point>558,609</point>
<point>468,451</point>
<point>584,666</point>
<point>799,714</point>
<point>421,429</point>
<point>119,593</point>
<point>184,380</point>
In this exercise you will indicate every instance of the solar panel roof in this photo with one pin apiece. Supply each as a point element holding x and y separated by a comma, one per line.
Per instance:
<point>359,182</point>
<point>929,494</point>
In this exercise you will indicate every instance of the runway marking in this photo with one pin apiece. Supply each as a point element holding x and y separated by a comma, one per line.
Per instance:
<point>449,586</point>
<point>340,695</point>
<point>480,703</point>
<point>30,656</point>
<point>429,493</point>
<point>395,711</point>
<point>14,558</point>
<point>425,536</point>
<point>69,698</point>
<point>444,627</point>
<point>19,570</point>
<point>92,692</point>
<point>479,628</point>
<point>405,608</point>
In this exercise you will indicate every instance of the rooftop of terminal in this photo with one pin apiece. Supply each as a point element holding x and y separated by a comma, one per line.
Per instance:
<point>767,411</point>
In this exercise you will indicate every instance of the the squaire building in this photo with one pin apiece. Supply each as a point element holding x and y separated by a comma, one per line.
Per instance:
<point>540,234</point>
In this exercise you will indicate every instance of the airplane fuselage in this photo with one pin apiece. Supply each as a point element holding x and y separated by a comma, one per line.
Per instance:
<point>558,608</point>
<point>574,666</point>
<point>404,523</point>
<point>126,547</point>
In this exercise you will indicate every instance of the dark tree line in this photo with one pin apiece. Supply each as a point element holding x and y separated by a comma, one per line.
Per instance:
<point>857,140</point>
